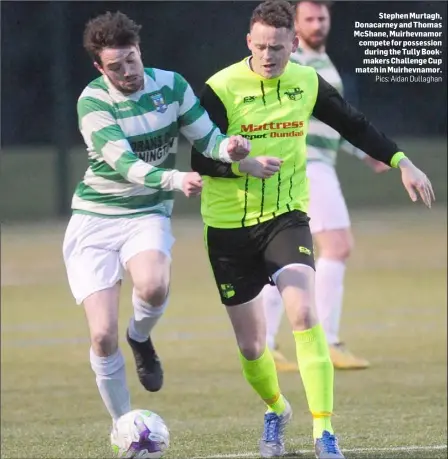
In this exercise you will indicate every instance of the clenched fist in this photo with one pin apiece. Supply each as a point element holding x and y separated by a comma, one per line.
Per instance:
<point>238,147</point>
<point>192,184</point>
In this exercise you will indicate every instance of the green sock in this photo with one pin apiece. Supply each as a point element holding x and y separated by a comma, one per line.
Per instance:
<point>317,372</point>
<point>261,374</point>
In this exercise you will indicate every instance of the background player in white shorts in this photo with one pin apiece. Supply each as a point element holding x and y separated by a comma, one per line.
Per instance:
<point>330,222</point>
<point>130,118</point>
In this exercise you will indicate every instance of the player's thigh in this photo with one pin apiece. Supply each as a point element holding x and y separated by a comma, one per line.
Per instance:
<point>237,265</point>
<point>147,256</point>
<point>290,262</point>
<point>327,207</point>
<point>91,255</point>
<point>290,243</point>
<point>101,310</point>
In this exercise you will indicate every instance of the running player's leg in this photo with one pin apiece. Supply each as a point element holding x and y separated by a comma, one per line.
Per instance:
<point>273,307</point>
<point>240,275</point>
<point>94,273</point>
<point>290,261</point>
<point>330,226</point>
<point>147,256</point>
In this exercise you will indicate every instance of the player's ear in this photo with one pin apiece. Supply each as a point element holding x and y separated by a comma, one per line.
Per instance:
<point>138,50</point>
<point>295,43</point>
<point>98,67</point>
<point>249,41</point>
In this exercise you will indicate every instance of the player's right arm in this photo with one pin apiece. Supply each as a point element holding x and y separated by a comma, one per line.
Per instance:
<point>103,135</point>
<point>260,167</point>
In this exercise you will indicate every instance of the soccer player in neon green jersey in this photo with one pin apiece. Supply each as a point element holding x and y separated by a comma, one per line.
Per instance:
<point>329,218</point>
<point>256,226</point>
<point>130,118</point>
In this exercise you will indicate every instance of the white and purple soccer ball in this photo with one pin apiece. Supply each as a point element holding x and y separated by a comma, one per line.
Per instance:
<point>140,434</point>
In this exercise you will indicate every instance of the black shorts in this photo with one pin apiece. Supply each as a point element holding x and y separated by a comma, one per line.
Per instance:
<point>244,259</point>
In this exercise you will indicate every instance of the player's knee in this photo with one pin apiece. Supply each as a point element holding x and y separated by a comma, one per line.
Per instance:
<point>303,320</point>
<point>154,293</point>
<point>341,252</point>
<point>340,247</point>
<point>252,350</point>
<point>104,342</point>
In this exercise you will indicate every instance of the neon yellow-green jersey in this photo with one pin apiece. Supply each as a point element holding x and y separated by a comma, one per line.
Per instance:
<point>274,115</point>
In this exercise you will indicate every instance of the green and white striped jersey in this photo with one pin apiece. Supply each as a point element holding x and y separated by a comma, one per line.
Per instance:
<point>323,142</point>
<point>132,144</point>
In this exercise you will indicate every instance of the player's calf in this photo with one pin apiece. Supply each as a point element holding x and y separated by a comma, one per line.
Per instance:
<point>149,368</point>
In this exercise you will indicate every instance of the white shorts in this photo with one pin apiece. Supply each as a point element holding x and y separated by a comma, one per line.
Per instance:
<point>97,249</point>
<point>327,208</point>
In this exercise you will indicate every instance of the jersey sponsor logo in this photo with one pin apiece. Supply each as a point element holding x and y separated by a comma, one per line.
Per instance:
<point>153,150</point>
<point>294,94</point>
<point>273,129</point>
<point>272,126</point>
<point>159,102</point>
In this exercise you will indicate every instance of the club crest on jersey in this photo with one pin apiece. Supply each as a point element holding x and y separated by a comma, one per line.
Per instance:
<point>159,102</point>
<point>294,94</point>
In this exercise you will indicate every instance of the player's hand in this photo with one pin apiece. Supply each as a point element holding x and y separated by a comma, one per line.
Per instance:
<point>238,147</point>
<point>261,167</point>
<point>192,184</point>
<point>415,181</point>
<point>377,166</point>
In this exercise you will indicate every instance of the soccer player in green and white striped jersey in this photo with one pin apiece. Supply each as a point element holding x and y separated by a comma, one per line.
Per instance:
<point>130,118</point>
<point>330,222</point>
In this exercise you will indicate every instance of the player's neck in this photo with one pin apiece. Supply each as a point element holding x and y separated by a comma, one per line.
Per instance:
<point>307,48</point>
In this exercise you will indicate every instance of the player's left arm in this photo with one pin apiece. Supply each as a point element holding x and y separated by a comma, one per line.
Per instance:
<point>331,108</point>
<point>196,125</point>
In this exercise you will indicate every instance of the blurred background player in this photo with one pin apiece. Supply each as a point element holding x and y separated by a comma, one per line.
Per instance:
<point>130,118</point>
<point>330,222</point>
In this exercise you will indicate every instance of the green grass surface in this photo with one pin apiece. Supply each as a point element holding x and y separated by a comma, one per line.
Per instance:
<point>394,315</point>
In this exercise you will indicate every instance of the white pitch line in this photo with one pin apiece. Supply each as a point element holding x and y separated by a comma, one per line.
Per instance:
<point>353,450</point>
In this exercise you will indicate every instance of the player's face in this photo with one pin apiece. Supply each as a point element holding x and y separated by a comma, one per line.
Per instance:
<point>123,67</point>
<point>271,48</point>
<point>312,24</point>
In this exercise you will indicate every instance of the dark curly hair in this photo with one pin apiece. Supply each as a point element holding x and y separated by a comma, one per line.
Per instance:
<point>274,13</point>
<point>110,30</point>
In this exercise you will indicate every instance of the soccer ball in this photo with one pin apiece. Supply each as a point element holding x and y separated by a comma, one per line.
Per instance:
<point>140,434</point>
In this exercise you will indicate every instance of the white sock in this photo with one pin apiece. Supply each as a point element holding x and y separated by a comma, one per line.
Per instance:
<point>145,318</point>
<point>329,294</point>
<point>111,381</point>
<point>273,307</point>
